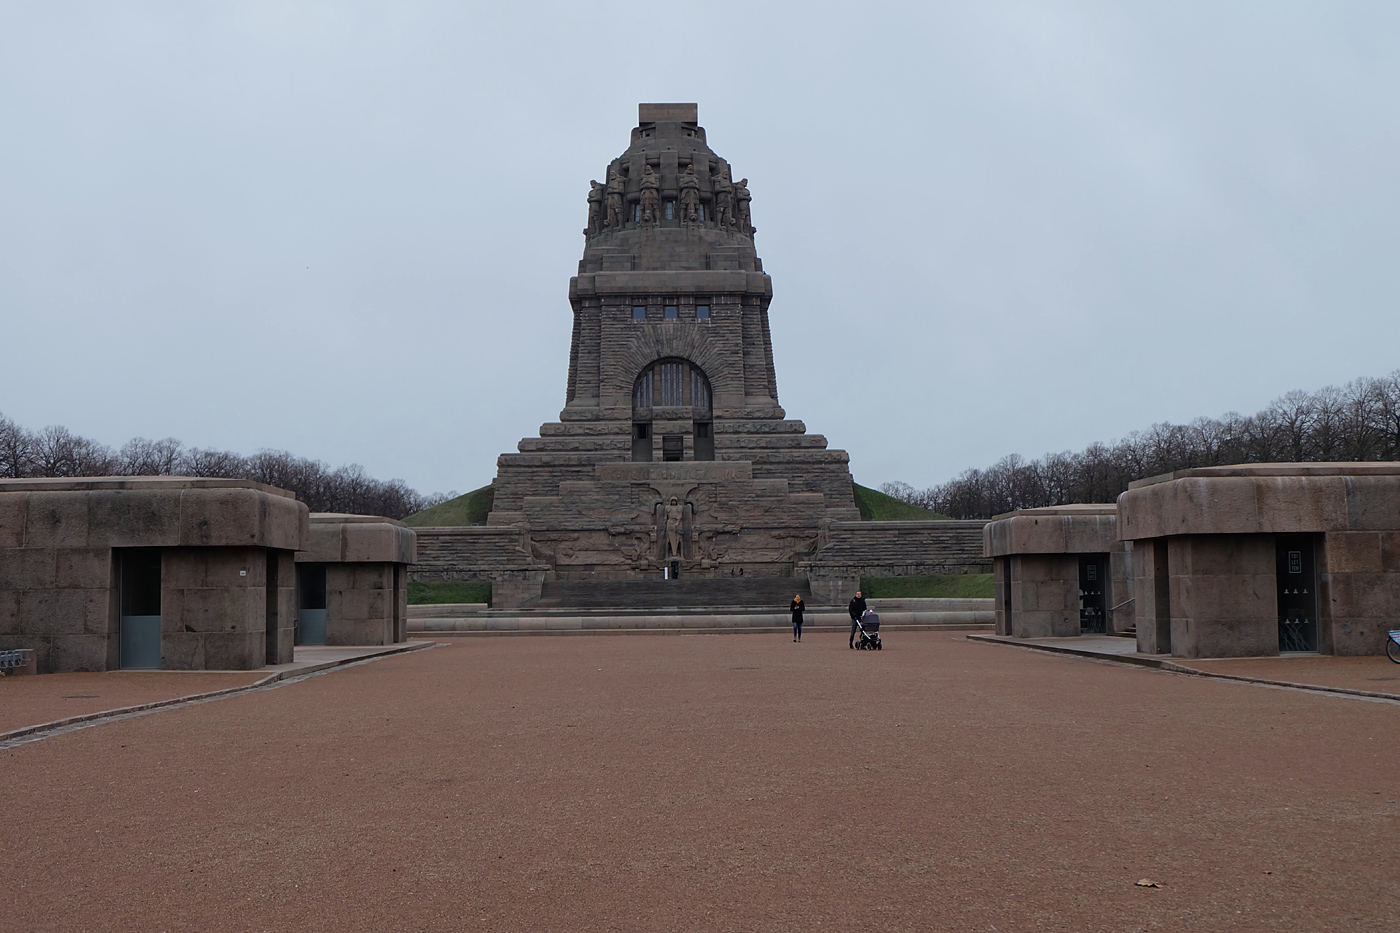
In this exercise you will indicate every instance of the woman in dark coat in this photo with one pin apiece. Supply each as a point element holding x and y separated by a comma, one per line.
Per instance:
<point>797,606</point>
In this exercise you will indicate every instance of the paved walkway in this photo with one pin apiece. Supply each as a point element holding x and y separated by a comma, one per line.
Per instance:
<point>30,703</point>
<point>713,783</point>
<point>1374,675</point>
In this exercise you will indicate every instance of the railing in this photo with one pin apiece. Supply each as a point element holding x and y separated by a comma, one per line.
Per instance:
<point>15,659</point>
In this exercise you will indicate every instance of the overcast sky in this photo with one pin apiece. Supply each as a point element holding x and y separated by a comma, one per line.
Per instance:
<point>347,230</point>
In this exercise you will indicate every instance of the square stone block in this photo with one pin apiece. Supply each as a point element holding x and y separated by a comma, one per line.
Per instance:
<point>64,612</point>
<point>56,519</point>
<point>85,568</point>
<point>29,567</point>
<point>80,653</point>
<point>1294,504</point>
<point>1390,551</point>
<point>181,650</point>
<point>235,651</point>
<point>1373,503</point>
<point>14,506</point>
<point>133,518</point>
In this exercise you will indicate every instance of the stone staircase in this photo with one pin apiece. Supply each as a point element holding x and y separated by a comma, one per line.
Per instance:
<point>772,593</point>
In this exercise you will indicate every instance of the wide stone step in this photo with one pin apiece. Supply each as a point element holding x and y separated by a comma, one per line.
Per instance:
<point>693,592</point>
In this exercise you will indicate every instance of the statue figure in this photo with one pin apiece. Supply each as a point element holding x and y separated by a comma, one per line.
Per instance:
<point>616,188</point>
<point>675,512</point>
<point>741,206</point>
<point>690,195</point>
<point>651,196</point>
<point>595,209</point>
<point>724,198</point>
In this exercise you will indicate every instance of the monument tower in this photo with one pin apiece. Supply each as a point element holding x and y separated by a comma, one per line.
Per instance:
<point>672,456</point>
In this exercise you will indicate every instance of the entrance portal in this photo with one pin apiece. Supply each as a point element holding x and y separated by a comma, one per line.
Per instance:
<point>1297,593</point>
<point>1093,589</point>
<point>311,604</point>
<point>139,631</point>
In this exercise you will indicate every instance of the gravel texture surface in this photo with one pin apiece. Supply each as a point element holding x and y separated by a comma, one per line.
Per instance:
<point>1377,674</point>
<point>33,699</point>
<point>739,783</point>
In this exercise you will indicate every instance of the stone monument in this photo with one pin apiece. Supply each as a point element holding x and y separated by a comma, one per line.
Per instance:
<point>672,456</point>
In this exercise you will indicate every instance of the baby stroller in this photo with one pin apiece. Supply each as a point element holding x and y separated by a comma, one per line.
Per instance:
<point>869,627</point>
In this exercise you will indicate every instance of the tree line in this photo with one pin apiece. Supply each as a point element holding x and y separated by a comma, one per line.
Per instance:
<point>57,452</point>
<point>1359,421</point>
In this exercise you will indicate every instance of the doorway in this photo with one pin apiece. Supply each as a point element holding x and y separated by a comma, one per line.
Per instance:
<point>1297,593</point>
<point>139,631</point>
<point>1093,593</point>
<point>311,604</point>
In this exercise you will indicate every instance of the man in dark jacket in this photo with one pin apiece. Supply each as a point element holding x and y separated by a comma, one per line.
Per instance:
<point>857,608</point>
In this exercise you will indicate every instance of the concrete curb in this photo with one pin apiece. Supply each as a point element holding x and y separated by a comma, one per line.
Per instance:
<point>1171,667</point>
<point>708,630</point>
<point>211,695</point>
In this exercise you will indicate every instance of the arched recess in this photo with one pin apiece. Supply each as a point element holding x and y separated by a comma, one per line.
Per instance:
<point>672,391</point>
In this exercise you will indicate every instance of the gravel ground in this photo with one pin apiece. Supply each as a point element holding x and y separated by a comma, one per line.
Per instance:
<point>30,700</point>
<point>1377,674</point>
<point>716,783</point>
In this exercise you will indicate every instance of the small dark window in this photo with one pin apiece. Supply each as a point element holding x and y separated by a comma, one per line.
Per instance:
<point>702,430</point>
<point>702,312</point>
<point>636,213</point>
<point>673,447</point>
<point>639,312</point>
<point>670,210</point>
<point>643,431</point>
<point>670,312</point>
<point>702,213</point>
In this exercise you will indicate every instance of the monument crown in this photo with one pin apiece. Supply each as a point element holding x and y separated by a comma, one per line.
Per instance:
<point>668,113</point>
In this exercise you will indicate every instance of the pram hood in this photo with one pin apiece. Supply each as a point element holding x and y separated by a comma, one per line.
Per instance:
<point>870,622</point>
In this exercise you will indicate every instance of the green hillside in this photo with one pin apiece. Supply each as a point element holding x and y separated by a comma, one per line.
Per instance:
<point>875,506</point>
<point>469,509</point>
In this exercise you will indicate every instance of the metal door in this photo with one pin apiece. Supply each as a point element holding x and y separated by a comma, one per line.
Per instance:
<point>1297,594</point>
<point>138,635</point>
<point>1093,614</point>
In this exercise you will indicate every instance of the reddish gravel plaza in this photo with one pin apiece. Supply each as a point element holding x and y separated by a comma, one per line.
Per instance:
<point>715,783</point>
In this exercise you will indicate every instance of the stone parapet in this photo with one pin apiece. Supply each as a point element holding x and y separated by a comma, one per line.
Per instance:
<point>1066,529</point>
<point>337,538</point>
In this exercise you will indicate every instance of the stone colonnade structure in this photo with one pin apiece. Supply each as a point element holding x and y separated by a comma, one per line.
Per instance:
<point>153,572</point>
<point>352,580</point>
<point>1259,559</point>
<point>184,573</point>
<point>1060,571</point>
<point>1230,561</point>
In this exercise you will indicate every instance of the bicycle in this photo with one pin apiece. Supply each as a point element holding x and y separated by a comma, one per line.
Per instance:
<point>1392,646</point>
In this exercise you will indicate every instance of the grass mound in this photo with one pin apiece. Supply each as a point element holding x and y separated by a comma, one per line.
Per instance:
<point>875,506</point>
<point>437,592</point>
<point>469,509</point>
<point>939,586</point>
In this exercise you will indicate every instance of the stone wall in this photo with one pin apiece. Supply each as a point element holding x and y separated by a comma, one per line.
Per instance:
<point>851,550</point>
<point>1206,546</point>
<point>221,543</point>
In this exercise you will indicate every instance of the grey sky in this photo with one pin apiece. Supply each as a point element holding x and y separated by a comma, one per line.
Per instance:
<point>347,229</point>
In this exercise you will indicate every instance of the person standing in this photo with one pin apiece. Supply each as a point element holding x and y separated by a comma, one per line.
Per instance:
<point>796,608</point>
<point>856,608</point>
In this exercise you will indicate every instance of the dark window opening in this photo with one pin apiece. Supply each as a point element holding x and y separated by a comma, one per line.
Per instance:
<point>670,210</point>
<point>641,443</point>
<point>671,314</point>
<point>639,312</point>
<point>702,312</point>
<point>704,441</point>
<point>271,626</point>
<point>141,582</point>
<point>673,447</point>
